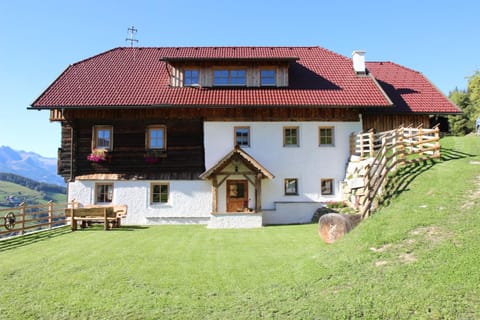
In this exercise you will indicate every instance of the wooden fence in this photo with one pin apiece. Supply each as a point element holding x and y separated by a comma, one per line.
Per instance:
<point>27,219</point>
<point>389,150</point>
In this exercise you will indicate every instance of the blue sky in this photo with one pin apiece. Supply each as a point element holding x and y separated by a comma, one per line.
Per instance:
<point>39,39</point>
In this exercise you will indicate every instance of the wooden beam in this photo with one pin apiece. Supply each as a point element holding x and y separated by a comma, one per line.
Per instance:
<point>258,193</point>
<point>249,179</point>
<point>214,194</point>
<point>223,180</point>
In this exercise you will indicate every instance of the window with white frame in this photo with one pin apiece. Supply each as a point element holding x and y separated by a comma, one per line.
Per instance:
<point>156,137</point>
<point>190,77</point>
<point>102,137</point>
<point>267,77</point>
<point>159,193</point>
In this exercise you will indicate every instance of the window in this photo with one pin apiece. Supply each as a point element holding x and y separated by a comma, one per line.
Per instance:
<point>267,77</point>
<point>102,137</point>
<point>291,186</point>
<point>242,136</point>
<point>190,77</point>
<point>327,186</point>
<point>159,192</point>
<point>290,137</point>
<point>156,137</point>
<point>229,77</point>
<point>103,192</point>
<point>326,136</point>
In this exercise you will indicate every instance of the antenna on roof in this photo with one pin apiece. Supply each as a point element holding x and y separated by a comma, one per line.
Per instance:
<point>131,35</point>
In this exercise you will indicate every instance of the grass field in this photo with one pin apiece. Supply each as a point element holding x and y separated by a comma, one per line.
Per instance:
<point>416,258</point>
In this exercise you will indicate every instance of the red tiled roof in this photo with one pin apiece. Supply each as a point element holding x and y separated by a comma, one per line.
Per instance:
<point>409,90</point>
<point>139,77</point>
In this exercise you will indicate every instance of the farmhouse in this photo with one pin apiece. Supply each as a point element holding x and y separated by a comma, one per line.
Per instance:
<point>224,136</point>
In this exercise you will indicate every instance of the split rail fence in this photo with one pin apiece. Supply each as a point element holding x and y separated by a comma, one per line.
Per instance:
<point>389,150</point>
<point>25,219</point>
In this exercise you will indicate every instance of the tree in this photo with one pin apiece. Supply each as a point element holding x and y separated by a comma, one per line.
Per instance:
<point>469,102</point>
<point>474,94</point>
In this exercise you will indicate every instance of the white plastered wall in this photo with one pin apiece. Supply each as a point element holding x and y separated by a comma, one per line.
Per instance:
<point>189,201</point>
<point>308,162</point>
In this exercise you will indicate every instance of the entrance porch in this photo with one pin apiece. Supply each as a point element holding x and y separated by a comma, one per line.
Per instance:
<point>236,190</point>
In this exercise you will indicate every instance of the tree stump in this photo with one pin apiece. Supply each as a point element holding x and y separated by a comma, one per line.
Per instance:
<point>333,226</point>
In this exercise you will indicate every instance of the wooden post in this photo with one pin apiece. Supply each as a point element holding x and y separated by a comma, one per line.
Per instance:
<point>360,140</point>
<point>214,194</point>
<point>23,212</point>
<point>371,141</point>
<point>420,141</point>
<point>73,222</point>
<point>105,219</point>
<point>258,192</point>
<point>50,214</point>
<point>395,149</point>
<point>352,144</point>
<point>401,147</point>
<point>436,153</point>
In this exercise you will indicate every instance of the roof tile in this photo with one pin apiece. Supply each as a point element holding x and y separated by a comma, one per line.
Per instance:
<point>409,90</point>
<point>138,77</point>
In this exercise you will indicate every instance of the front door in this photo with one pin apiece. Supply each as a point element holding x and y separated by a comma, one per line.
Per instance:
<point>237,195</point>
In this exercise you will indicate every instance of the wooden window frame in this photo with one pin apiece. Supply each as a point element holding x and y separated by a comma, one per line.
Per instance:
<point>95,131</point>
<point>332,136</point>
<point>323,183</point>
<point>268,84</point>
<point>97,193</point>
<point>229,77</point>
<point>190,77</point>
<point>152,193</point>
<point>297,136</point>
<point>148,140</point>
<point>286,183</point>
<point>235,142</point>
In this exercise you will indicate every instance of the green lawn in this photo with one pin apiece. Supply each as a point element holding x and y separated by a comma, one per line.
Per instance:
<point>417,257</point>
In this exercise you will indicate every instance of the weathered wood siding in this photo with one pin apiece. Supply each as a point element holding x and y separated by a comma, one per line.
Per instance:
<point>64,160</point>
<point>386,122</point>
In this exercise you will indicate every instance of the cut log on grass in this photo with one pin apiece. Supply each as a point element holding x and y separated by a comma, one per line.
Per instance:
<point>333,226</point>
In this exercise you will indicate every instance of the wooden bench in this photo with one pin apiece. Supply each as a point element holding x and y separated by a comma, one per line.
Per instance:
<point>120,212</point>
<point>109,216</point>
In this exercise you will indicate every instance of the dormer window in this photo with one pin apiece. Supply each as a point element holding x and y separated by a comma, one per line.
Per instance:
<point>190,77</point>
<point>267,77</point>
<point>229,77</point>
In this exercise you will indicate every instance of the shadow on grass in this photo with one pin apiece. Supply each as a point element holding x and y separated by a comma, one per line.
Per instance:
<point>403,177</point>
<point>20,241</point>
<point>400,181</point>
<point>99,227</point>
<point>450,154</point>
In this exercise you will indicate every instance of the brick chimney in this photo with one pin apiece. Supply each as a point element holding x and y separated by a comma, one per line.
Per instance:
<point>358,57</point>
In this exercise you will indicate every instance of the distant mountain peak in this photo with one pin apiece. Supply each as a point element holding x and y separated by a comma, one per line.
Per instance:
<point>30,165</point>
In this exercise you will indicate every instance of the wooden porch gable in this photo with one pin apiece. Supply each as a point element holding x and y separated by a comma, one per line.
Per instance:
<point>237,156</point>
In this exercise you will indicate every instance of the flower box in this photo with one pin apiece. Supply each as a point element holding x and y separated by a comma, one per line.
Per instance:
<point>98,155</point>
<point>154,156</point>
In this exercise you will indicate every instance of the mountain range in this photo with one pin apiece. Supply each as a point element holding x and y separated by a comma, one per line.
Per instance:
<point>30,165</point>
